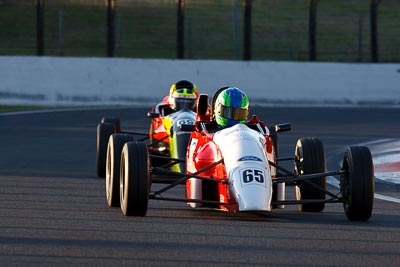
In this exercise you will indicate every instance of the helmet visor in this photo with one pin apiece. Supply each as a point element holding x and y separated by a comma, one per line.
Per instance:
<point>231,113</point>
<point>184,103</point>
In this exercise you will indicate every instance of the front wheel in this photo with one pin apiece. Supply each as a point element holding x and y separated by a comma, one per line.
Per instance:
<point>134,179</point>
<point>357,184</point>
<point>114,150</point>
<point>310,159</point>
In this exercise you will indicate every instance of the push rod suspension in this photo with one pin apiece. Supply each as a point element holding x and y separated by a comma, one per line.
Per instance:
<point>187,176</point>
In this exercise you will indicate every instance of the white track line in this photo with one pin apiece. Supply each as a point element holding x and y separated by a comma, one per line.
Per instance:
<point>386,198</point>
<point>334,182</point>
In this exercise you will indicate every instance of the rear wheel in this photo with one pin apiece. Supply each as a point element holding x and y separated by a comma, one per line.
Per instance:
<point>134,179</point>
<point>114,121</point>
<point>115,145</point>
<point>104,131</point>
<point>309,159</point>
<point>357,186</point>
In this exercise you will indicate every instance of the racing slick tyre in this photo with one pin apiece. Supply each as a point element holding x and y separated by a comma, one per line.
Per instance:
<point>114,121</point>
<point>115,145</point>
<point>357,185</point>
<point>309,159</point>
<point>134,179</point>
<point>104,131</point>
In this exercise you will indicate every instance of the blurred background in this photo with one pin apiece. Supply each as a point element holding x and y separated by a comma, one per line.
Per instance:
<point>283,30</point>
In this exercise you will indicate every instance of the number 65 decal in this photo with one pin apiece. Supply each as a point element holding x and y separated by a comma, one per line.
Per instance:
<point>250,175</point>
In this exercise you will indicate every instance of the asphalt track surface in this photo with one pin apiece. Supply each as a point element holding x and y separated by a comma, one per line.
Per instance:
<point>53,208</point>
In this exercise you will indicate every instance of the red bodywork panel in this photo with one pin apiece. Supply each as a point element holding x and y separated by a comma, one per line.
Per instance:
<point>157,129</point>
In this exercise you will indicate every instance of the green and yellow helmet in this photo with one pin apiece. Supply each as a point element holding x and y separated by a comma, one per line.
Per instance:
<point>231,107</point>
<point>183,95</point>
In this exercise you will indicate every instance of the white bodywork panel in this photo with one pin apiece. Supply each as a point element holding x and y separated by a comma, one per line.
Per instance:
<point>247,166</point>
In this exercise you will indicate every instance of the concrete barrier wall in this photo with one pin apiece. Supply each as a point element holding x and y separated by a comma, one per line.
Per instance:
<point>99,81</point>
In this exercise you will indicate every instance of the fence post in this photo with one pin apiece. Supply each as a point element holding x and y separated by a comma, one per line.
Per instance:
<point>374,29</point>
<point>110,27</point>
<point>180,29</point>
<point>312,30</point>
<point>247,30</point>
<point>40,27</point>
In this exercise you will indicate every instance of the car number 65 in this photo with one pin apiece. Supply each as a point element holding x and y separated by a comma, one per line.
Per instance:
<point>250,175</point>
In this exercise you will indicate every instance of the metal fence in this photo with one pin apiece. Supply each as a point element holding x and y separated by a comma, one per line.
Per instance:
<point>322,30</point>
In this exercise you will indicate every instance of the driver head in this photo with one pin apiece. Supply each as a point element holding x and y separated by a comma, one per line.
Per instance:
<point>183,95</point>
<point>231,107</point>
